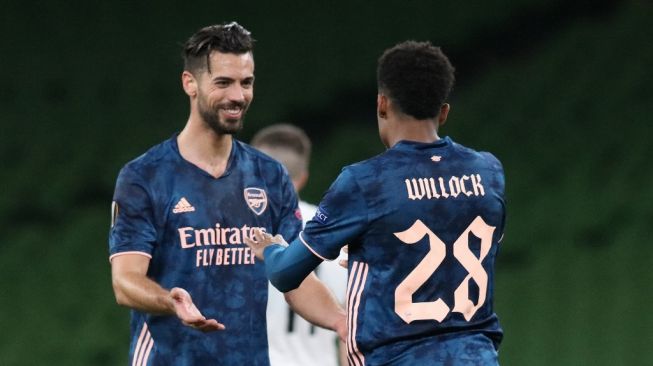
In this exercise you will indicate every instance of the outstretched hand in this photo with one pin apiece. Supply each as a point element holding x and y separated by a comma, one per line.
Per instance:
<point>189,314</point>
<point>345,261</point>
<point>260,240</point>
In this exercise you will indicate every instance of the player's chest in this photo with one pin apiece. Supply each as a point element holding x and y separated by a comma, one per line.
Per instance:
<point>231,201</point>
<point>204,223</point>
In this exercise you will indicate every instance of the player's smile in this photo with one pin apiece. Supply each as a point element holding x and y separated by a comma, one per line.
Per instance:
<point>233,111</point>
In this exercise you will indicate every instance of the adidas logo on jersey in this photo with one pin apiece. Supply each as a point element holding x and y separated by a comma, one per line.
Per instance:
<point>183,206</point>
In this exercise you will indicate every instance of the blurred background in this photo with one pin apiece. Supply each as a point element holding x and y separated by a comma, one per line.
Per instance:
<point>559,90</point>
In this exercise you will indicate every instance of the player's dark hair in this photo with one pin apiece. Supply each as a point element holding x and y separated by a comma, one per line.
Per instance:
<point>417,76</point>
<point>280,139</point>
<point>224,38</point>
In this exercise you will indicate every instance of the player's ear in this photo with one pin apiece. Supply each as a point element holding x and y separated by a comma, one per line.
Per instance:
<point>444,113</point>
<point>381,106</point>
<point>189,83</point>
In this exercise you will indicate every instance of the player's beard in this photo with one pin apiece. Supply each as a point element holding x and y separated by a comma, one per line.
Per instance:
<point>226,126</point>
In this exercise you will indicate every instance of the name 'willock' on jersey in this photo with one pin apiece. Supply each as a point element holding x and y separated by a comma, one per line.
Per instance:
<point>436,188</point>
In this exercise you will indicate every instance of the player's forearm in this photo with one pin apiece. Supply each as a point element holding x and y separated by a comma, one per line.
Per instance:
<point>291,268</point>
<point>314,302</point>
<point>287,267</point>
<point>138,292</point>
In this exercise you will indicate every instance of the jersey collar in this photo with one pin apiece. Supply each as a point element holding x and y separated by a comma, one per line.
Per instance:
<point>407,145</point>
<point>230,163</point>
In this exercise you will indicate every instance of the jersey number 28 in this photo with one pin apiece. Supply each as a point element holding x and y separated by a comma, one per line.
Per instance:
<point>438,310</point>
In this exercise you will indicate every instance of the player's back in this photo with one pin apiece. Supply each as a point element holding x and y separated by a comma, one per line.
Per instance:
<point>436,215</point>
<point>421,266</point>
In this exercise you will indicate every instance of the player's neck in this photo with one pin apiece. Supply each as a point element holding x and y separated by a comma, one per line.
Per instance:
<point>413,130</point>
<point>205,148</point>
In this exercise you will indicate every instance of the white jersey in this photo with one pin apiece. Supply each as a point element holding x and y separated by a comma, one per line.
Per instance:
<point>294,341</point>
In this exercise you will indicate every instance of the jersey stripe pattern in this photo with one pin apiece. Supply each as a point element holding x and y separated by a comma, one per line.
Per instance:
<point>355,287</point>
<point>143,347</point>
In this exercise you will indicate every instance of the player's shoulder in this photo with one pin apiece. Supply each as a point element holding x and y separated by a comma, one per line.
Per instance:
<point>253,160</point>
<point>367,166</point>
<point>358,174</point>
<point>482,157</point>
<point>255,155</point>
<point>150,160</point>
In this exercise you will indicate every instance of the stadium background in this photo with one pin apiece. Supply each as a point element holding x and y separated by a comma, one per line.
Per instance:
<point>559,90</point>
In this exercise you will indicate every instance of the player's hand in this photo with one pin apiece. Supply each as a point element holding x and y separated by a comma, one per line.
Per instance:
<point>189,314</point>
<point>260,240</point>
<point>345,261</point>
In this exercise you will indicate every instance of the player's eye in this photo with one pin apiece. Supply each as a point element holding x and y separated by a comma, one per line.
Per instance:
<point>222,83</point>
<point>247,83</point>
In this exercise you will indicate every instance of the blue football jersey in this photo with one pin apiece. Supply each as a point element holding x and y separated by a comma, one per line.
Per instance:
<point>192,227</point>
<point>423,223</point>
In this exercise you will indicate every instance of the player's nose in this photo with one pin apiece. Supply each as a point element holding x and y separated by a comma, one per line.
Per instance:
<point>236,93</point>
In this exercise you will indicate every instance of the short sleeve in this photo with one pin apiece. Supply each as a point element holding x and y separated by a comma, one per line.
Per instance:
<point>290,218</point>
<point>340,218</point>
<point>133,229</point>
